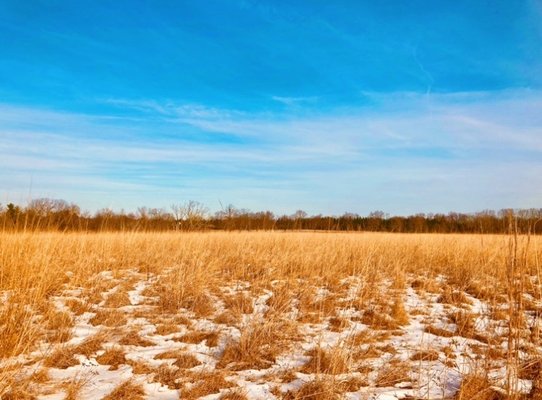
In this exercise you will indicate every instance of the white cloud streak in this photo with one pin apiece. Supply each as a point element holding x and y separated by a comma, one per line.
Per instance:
<point>456,151</point>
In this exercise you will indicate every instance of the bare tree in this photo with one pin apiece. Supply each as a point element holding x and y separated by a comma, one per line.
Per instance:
<point>228,215</point>
<point>51,213</point>
<point>298,217</point>
<point>189,216</point>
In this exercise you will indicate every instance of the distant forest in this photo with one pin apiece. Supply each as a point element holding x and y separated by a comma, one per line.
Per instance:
<point>59,215</point>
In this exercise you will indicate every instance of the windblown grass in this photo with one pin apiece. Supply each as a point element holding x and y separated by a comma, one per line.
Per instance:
<point>304,272</point>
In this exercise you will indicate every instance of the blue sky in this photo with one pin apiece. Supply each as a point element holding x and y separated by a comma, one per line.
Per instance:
<point>420,106</point>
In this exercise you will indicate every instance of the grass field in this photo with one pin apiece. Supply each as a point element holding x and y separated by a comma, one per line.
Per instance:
<point>265,315</point>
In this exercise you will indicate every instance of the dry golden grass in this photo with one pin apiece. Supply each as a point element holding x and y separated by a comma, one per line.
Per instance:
<point>227,318</point>
<point>59,335</point>
<point>109,318</point>
<point>310,303</point>
<point>41,375</point>
<point>477,387</point>
<point>393,373</point>
<point>233,395</point>
<point>185,361</point>
<point>281,300</point>
<point>169,354</point>
<point>239,303</point>
<point>536,390</point>
<point>62,358</point>
<point>369,352</point>
<point>73,387</point>
<point>435,330</point>
<point>398,312</point>
<point>25,387</point>
<point>91,345</point>
<point>327,361</point>
<point>133,338</point>
<point>19,393</point>
<point>425,355</point>
<point>168,376</point>
<point>195,337</point>
<point>319,389</point>
<point>78,306</point>
<point>379,320</point>
<point>113,357</point>
<point>205,383</point>
<point>118,299</point>
<point>466,327</point>
<point>128,390</point>
<point>366,337</point>
<point>58,320</point>
<point>190,268</point>
<point>451,296</point>
<point>425,284</point>
<point>167,329</point>
<point>185,289</point>
<point>17,331</point>
<point>338,324</point>
<point>139,367</point>
<point>259,345</point>
<point>255,349</point>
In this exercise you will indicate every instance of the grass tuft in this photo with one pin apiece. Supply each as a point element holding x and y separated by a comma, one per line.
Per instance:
<point>128,390</point>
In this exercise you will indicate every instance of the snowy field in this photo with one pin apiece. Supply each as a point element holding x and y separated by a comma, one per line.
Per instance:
<point>136,334</point>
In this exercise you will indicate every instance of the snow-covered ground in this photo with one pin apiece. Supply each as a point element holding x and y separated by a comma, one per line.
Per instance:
<point>362,340</point>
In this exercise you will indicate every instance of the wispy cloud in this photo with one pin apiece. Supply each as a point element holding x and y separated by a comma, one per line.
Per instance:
<point>406,152</point>
<point>455,120</point>
<point>293,101</point>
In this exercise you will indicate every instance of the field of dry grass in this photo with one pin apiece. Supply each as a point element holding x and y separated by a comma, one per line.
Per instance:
<point>265,315</point>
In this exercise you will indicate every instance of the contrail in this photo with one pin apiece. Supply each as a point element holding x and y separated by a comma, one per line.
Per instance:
<point>426,73</point>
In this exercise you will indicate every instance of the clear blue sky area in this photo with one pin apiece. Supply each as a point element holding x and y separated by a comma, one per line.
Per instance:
<point>418,106</point>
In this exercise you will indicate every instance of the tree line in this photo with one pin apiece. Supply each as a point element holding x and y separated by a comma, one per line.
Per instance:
<point>59,215</point>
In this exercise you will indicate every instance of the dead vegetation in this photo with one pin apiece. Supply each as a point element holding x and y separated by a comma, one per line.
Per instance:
<point>114,357</point>
<point>257,348</point>
<point>128,390</point>
<point>477,387</point>
<point>91,344</point>
<point>185,361</point>
<point>393,373</point>
<point>195,337</point>
<point>168,376</point>
<point>61,358</point>
<point>205,383</point>
<point>239,303</point>
<point>133,338</point>
<point>109,318</point>
<point>425,355</point>
<point>376,311</point>
<point>326,361</point>
<point>319,389</point>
